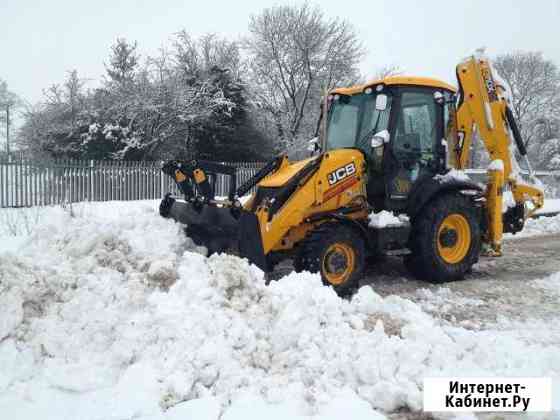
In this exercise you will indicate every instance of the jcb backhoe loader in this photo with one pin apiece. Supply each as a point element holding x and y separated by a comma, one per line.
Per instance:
<point>396,144</point>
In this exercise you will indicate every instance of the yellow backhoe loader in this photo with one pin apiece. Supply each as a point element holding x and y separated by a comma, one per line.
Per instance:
<point>397,144</point>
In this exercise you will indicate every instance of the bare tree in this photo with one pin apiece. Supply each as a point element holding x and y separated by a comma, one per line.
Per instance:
<point>389,70</point>
<point>73,87</point>
<point>535,90</point>
<point>196,56</point>
<point>9,102</point>
<point>294,52</point>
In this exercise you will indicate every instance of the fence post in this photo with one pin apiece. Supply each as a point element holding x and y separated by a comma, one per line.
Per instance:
<point>161,186</point>
<point>2,166</point>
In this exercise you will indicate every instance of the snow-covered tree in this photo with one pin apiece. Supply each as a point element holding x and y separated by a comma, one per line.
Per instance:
<point>9,102</point>
<point>535,91</point>
<point>547,146</point>
<point>388,70</point>
<point>294,53</point>
<point>179,104</point>
<point>54,126</point>
<point>123,61</point>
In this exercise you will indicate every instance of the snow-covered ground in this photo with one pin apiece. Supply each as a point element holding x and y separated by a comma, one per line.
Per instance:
<point>539,226</point>
<point>109,312</point>
<point>551,205</point>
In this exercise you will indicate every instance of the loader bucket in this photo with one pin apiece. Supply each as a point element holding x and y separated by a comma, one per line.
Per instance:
<point>210,226</point>
<point>220,227</point>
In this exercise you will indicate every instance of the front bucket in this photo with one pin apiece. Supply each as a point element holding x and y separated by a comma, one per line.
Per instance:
<point>210,226</point>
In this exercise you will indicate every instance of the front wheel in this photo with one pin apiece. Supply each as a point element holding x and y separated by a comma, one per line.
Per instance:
<point>337,252</point>
<point>445,239</point>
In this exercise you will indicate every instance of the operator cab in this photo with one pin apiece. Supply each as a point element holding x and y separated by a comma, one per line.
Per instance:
<point>400,124</point>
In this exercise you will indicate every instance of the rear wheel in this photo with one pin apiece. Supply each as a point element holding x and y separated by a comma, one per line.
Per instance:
<point>335,251</point>
<point>445,240</point>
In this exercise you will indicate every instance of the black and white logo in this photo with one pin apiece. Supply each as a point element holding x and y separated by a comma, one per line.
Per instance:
<point>341,173</point>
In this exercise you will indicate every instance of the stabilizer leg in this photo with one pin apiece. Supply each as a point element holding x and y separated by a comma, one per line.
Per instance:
<point>494,203</point>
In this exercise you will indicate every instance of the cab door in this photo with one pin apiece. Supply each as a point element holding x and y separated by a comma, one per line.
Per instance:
<point>415,146</point>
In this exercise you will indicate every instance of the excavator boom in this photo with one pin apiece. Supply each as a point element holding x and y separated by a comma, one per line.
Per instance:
<point>483,106</point>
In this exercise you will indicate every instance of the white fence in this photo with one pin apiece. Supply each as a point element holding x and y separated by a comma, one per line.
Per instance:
<point>26,183</point>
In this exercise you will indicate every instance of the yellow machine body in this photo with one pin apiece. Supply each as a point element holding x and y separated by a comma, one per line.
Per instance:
<point>338,182</point>
<point>316,210</point>
<point>484,108</point>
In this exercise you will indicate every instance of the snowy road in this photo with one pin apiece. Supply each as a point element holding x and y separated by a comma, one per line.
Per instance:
<point>499,286</point>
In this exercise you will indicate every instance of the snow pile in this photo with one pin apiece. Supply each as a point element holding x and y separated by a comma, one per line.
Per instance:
<point>21,222</point>
<point>500,81</point>
<point>112,315</point>
<point>443,300</point>
<point>387,219</point>
<point>453,175</point>
<point>496,165</point>
<point>508,201</point>
<point>550,283</point>
<point>539,226</point>
<point>551,205</point>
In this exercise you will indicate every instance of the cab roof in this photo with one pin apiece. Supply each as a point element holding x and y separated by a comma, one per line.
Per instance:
<point>397,80</point>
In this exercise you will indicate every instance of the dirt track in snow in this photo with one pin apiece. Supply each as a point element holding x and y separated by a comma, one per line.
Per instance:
<point>497,287</point>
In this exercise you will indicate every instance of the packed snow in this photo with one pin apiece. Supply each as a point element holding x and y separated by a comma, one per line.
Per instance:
<point>539,226</point>
<point>453,175</point>
<point>496,165</point>
<point>386,218</point>
<point>508,201</point>
<point>110,312</point>
<point>551,205</point>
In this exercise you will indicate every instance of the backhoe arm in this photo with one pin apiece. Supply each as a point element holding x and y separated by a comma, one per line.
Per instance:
<point>483,106</point>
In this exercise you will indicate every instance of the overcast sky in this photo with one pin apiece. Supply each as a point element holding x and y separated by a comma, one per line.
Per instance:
<point>41,40</point>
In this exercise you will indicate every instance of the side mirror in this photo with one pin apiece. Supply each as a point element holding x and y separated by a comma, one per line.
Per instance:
<point>378,149</point>
<point>379,139</point>
<point>381,102</point>
<point>313,145</point>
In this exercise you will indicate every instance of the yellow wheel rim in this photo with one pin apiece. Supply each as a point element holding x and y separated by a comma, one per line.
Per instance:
<point>454,238</point>
<point>338,263</point>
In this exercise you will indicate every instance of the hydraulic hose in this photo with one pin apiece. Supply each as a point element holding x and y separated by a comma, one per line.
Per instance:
<point>515,130</point>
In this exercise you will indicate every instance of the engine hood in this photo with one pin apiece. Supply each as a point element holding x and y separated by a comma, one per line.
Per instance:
<point>284,174</point>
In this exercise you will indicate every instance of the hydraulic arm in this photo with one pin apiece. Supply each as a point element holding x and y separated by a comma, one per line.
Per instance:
<point>483,106</point>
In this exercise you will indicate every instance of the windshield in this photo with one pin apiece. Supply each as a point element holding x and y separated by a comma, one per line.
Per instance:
<point>353,120</point>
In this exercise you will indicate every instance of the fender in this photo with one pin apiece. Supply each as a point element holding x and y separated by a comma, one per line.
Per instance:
<point>377,240</point>
<point>342,216</point>
<point>429,188</point>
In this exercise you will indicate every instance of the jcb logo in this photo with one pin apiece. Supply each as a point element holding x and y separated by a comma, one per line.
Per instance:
<point>341,173</point>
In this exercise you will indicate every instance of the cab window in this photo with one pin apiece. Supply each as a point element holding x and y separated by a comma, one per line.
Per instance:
<point>416,126</point>
<point>343,122</point>
<point>353,120</point>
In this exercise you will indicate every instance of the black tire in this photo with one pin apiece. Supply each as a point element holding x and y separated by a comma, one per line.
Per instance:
<point>328,250</point>
<point>438,255</point>
<point>413,267</point>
